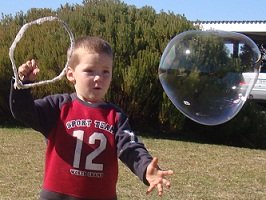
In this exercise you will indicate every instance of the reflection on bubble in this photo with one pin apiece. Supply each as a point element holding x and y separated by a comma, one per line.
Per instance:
<point>208,75</point>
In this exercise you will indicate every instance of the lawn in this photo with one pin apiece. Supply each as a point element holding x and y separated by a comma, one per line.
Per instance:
<point>202,171</point>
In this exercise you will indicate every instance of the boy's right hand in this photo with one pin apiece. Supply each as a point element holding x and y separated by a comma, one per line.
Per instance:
<point>28,71</point>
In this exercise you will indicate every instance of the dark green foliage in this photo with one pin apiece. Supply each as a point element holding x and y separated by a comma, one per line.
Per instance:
<point>138,38</point>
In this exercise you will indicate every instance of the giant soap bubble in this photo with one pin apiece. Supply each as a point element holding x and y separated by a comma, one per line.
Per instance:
<point>208,75</point>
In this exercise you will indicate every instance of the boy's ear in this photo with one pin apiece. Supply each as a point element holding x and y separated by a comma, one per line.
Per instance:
<point>70,75</point>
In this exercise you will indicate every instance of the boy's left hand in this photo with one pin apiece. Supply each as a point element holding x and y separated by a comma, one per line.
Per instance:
<point>156,177</point>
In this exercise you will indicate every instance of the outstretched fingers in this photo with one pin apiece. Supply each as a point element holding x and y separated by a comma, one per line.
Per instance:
<point>156,177</point>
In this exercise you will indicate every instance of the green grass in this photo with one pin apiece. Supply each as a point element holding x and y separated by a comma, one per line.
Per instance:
<point>202,171</point>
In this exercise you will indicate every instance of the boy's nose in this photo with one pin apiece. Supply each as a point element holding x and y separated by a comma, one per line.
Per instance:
<point>97,77</point>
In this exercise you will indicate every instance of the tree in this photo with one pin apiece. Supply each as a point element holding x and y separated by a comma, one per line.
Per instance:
<point>138,38</point>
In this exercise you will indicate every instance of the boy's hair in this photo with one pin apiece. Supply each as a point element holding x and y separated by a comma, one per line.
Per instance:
<point>92,45</point>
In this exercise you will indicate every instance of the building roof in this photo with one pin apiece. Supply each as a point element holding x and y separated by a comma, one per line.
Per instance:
<point>255,29</point>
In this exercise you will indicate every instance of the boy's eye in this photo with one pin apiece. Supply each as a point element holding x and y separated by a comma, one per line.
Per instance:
<point>106,73</point>
<point>99,73</point>
<point>90,71</point>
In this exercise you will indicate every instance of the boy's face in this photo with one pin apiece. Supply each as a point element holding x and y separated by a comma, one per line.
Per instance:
<point>92,75</point>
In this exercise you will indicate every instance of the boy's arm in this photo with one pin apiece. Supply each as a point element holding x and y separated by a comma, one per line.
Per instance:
<point>21,104</point>
<point>137,158</point>
<point>39,114</point>
<point>132,152</point>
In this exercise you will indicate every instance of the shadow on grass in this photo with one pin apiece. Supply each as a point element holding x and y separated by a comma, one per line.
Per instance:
<point>247,129</point>
<point>210,137</point>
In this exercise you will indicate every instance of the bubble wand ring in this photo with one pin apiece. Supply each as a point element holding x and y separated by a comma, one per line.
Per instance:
<point>18,84</point>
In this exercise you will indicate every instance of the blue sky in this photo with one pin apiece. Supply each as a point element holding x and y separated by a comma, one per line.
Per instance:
<point>191,9</point>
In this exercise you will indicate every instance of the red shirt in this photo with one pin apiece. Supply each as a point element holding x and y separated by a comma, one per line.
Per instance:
<point>81,158</point>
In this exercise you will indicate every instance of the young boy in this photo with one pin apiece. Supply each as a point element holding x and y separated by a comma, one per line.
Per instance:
<point>85,135</point>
